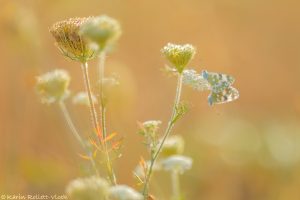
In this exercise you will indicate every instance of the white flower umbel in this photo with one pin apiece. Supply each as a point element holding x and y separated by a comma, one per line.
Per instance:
<point>179,55</point>
<point>124,192</point>
<point>53,86</point>
<point>172,146</point>
<point>151,126</point>
<point>91,188</point>
<point>177,163</point>
<point>82,98</point>
<point>101,31</point>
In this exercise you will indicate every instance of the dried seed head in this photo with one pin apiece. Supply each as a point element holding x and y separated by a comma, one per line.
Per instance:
<point>68,40</point>
<point>91,188</point>
<point>179,55</point>
<point>124,192</point>
<point>177,163</point>
<point>103,31</point>
<point>172,146</point>
<point>53,86</point>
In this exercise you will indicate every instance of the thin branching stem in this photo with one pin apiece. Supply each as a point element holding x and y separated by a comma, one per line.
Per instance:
<point>166,134</point>
<point>101,75</point>
<point>76,134</point>
<point>92,107</point>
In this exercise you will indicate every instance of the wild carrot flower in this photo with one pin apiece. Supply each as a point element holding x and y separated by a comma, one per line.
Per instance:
<point>177,163</point>
<point>179,55</point>
<point>82,98</point>
<point>172,146</point>
<point>53,86</point>
<point>101,31</point>
<point>124,192</point>
<point>149,128</point>
<point>91,188</point>
<point>69,42</point>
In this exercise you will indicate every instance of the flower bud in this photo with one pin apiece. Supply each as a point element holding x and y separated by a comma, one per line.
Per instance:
<point>177,163</point>
<point>69,42</point>
<point>102,31</point>
<point>53,86</point>
<point>179,55</point>
<point>91,188</point>
<point>172,146</point>
<point>124,192</point>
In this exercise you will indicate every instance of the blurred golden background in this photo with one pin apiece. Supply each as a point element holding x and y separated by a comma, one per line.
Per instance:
<point>245,150</point>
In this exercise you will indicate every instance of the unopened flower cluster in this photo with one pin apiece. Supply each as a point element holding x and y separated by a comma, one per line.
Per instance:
<point>179,55</point>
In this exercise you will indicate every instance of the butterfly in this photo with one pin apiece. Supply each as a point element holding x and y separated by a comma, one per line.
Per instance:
<point>220,86</point>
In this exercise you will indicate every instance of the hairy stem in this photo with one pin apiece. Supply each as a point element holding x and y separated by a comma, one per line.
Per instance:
<point>76,134</point>
<point>101,70</point>
<point>175,185</point>
<point>92,107</point>
<point>166,134</point>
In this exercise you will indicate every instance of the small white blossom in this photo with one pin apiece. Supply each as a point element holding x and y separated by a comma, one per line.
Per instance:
<point>172,146</point>
<point>91,188</point>
<point>81,98</point>
<point>101,31</point>
<point>149,128</point>
<point>124,192</point>
<point>179,55</point>
<point>177,163</point>
<point>151,123</point>
<point>53,86</point>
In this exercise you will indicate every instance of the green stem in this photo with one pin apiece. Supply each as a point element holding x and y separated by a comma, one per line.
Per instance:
<point>76,134</point>
<point>88,89</point>
<point>175,185</point>
<point>101,70</point>
<point>166,134</point>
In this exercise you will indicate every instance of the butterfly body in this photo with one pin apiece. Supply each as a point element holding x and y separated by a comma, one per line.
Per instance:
<point>220,86</point>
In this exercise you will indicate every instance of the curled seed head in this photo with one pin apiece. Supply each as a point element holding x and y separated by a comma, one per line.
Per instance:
<point>91,188</point>
<point>177,163</point>
<point>53,86</point>
<point>68,40</point>
<point>103,31</point>
<point>179,55</point>
<point>124,192</point>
